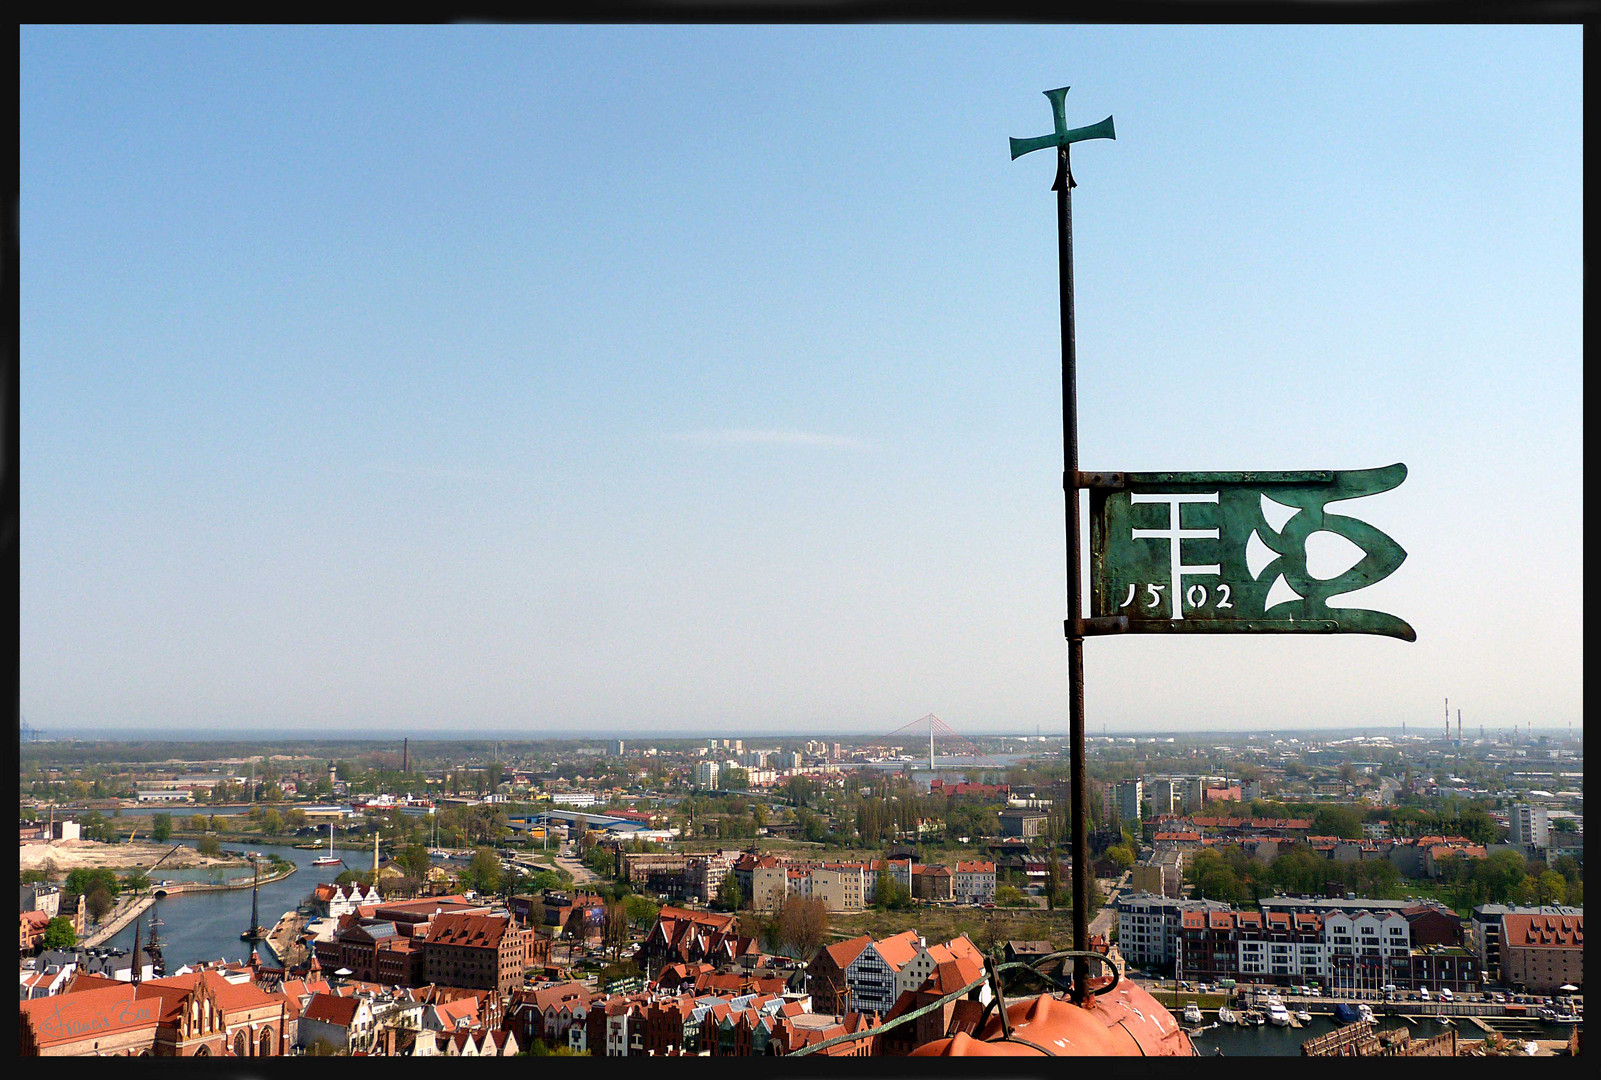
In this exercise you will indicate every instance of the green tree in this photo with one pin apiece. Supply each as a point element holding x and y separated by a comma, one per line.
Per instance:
<point>1550,888</point>
<point>642,911</point>
<point>414,858</point>
<point>483,871</point>
<point>99,901</point>
<point>161,828</point>
<point>1121,856</point>
<point>59,933</point>
<point>271,822</point>
<point>209,846</point>
<point>84,880</point>
<point>729,897</point>
<point>136,880</point>
<point>1010,896</point>
<point>1342,821</point>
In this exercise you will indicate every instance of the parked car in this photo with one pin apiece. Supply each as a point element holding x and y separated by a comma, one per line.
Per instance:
<point>1498,997</point>
<point>1423,993</point>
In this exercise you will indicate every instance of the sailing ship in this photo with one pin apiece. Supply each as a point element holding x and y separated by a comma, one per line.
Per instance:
<point>329,859</point>
<point>158,963</point>
<point>256,931</point>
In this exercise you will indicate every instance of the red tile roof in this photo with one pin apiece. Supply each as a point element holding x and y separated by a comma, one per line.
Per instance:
<point>329,1009</point>
<point>485,931</point>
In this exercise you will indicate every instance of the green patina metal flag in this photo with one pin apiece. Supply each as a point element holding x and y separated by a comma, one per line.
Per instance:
<point>1225,552</point>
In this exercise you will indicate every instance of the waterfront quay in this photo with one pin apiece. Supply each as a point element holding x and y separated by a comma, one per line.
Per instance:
<point>127,910</point>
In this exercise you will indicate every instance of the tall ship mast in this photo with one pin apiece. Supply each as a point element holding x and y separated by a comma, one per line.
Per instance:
<point>329,859</point>
<point>255,933</point>
<point>158,963</point>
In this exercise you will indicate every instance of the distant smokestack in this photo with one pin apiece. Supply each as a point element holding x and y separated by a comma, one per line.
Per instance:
<point>405,755</point>
<point>1459,727</point>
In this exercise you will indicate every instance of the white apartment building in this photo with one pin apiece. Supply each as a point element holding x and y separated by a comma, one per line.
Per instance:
<point>973,882</point>
<point>1530,825</point>
<point>706,773</point>
<point>1148,926</point>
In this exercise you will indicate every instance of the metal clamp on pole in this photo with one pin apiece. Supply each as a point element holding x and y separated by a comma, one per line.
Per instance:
<point>1098,626</point>
<point>1101,481</point>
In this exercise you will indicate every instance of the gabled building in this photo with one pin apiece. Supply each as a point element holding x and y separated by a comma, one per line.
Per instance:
<point>681,935</point>
<point>332,900</point>
<point>546,1012</point>
<point>860,974</point>
<point>346,1023</point>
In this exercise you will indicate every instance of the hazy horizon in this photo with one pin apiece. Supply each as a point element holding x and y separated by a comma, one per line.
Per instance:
<point>1469,733</point>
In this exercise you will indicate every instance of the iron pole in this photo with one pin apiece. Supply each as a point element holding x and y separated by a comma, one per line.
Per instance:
<point>1075,584</point>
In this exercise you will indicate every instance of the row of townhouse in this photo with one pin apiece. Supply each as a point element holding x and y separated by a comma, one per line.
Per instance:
<point>767,879</point>
<point>366,1018</point>
<point>852,886</point>
<point>658,1023</point>
<point>1267,838</point>
<point>1348,942</point>
<point>1298,933</point>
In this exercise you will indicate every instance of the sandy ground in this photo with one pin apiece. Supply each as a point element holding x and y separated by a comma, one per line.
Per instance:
<point>65,855</point>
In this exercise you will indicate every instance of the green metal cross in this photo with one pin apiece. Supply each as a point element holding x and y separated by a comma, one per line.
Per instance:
<point>1062,136</point>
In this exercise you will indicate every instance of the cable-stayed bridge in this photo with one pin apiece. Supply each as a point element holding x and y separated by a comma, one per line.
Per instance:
<point>941,736</point>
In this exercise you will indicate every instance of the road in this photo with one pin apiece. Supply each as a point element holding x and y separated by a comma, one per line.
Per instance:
<point>582,875</point>
<point>128,908</point>
<point>1105,920</point>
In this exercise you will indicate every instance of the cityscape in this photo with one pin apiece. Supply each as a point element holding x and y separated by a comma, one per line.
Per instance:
<point>1336,893</point>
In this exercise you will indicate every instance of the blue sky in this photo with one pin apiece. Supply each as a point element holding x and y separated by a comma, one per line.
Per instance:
<point>706,379</point>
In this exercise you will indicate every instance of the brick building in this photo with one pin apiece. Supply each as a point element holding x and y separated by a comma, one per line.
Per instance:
<point>478,951</point>
<point>1539,953</point>
<point>200,1014</point>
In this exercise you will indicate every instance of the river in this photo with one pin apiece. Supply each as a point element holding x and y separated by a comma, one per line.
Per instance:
<point>207,925</point>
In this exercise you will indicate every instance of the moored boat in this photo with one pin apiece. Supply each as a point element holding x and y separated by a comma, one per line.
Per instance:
<point>1192,1013</point>
<point>1277,1014</point>
<point>329,859</point>
<point>1346,1013</point>
<point>1226,1015</point>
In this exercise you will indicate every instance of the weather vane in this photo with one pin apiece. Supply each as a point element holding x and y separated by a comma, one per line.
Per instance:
<point>1191,552</point>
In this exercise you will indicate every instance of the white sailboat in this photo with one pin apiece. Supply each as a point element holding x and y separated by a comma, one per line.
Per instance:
<point>329,859</point>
